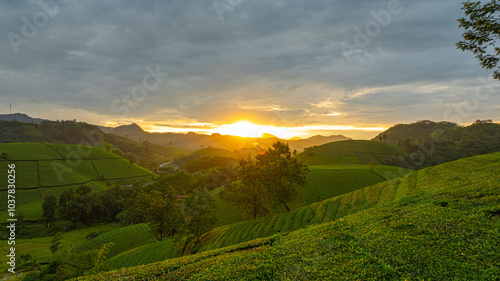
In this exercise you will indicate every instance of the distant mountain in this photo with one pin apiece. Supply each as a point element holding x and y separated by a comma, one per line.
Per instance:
<point>21,117</point>
<point>193,141</point>
<point>133,131</point>
<point>190,141</point>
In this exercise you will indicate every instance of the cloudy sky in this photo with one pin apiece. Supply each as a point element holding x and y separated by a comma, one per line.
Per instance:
<point>328,66</point>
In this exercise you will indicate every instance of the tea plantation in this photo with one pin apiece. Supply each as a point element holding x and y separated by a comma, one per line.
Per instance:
<point>440,223</point>
<point>42,167</point>
<point>350,152</point>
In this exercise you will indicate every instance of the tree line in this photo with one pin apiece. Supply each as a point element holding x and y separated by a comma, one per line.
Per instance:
<point>431,143</point>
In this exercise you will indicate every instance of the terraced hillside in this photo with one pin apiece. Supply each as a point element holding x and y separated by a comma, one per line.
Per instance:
<point>323,182</point>
<point>39,248</point>
<point>449,203</point>
<point>440,223</point>
<point>355,152</point>
<point>124,239</point>
<point>57,167</point>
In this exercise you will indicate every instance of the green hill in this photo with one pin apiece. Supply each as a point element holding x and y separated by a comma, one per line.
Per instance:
<point>39,247</point>
<point>452,209</point>
<point>56,167</point>
<point>431,143</point>
<point>355,152</point>
<point>124,239</point>
<point>144,153</point>
<point>440,223</point>
<point>323,182</point>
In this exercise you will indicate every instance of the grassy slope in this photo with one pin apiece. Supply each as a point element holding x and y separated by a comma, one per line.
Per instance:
<point>329,181</point>
<point>323,182</point>
<point>321,212</point>
<point>124,239</point>
<point>440,223</point>
<point>39,247</point>
<point>350,152</point>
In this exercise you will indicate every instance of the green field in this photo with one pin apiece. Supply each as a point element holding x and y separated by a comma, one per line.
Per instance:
<point>29,151</point>
<point>323,182</point>
<point>56,167</point>
<point>39,247</point>
<point>329,181</point>
<point>440,223</point>
<point>119,168</point>
<point>26,174</point>
<point>81,152</point>
<point>350,152</point>
<point>64,172</point>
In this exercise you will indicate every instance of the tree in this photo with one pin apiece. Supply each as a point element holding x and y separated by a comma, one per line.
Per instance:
<point>281,174</point>
<point>49,206</point>
<point>84,190</point>
<point>372,166</point>
<point>160,212</point>
<point>249,195</point>
<point>56,242</point>
<point>482,30</point>
<point>5,156</point>
<point>198,211</point>
<point>64,200</point>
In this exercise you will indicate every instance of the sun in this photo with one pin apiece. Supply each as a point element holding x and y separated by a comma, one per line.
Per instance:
<point>242,129</point>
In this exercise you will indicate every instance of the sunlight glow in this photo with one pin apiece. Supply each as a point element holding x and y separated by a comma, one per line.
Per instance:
<point>243,129</point>
<point>248,129</point>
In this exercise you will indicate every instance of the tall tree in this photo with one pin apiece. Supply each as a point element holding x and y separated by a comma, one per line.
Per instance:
<point>249,195</point>
<point>159,209</point>
<point>482,30</point>
<point>274,177</point>
<point>281,174</point>
<point>49,206</point>
<point>198,210</point>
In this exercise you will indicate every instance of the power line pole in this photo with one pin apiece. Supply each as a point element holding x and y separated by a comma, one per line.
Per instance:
<point>10,108</point>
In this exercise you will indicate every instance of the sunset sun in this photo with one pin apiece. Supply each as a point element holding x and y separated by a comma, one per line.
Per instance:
<point>243,129</point>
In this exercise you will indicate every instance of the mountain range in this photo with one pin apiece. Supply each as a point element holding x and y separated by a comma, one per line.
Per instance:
<point>193,141</point>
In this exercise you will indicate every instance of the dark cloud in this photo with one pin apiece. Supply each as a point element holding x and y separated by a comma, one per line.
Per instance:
<point>282,54</point>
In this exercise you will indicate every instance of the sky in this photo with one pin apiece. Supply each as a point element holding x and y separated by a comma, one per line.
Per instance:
<point>296,67</point>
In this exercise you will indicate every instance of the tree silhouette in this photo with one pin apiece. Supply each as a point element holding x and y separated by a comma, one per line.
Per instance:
<point>482,30</point>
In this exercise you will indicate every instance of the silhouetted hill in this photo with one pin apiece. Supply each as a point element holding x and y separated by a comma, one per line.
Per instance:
<point>20,117</point>
<point>133,131</point>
